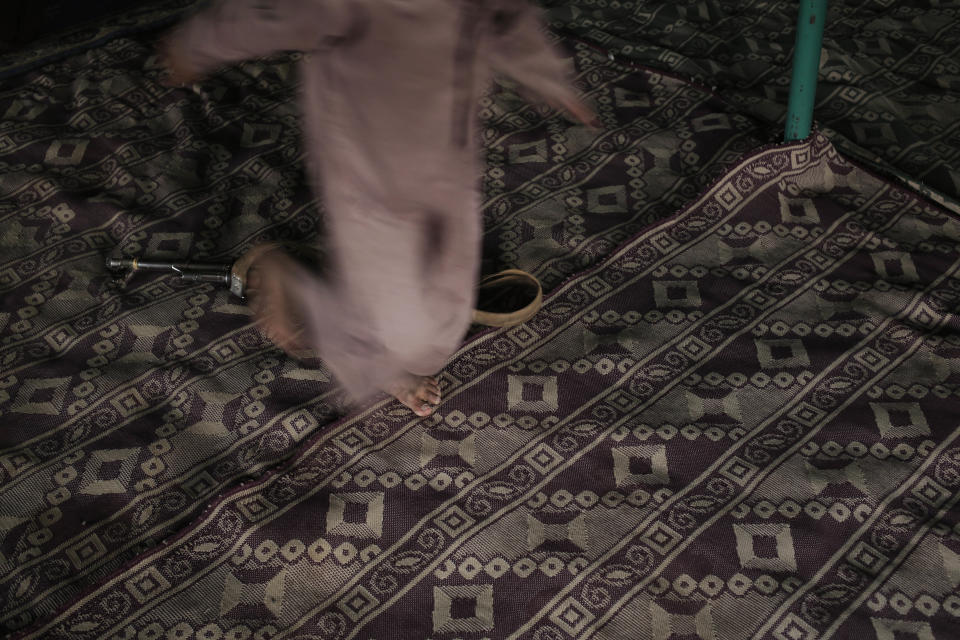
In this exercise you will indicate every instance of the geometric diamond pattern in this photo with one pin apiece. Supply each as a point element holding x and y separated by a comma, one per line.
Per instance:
<point>503,485</point>
<point>253,593</point>
<point>109,471</point>
<point>682,619</point>
<point>357,515</point>
<point>41,396</point>
<point>532,393</point>
<point>463,609</point>
<point>887,629</point>
<point>767,547</point>
<point>643,465</point>
<point>571,616</point>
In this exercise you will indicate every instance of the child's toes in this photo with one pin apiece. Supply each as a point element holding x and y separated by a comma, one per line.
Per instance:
<point>423,409</point>
<point>433,397</point>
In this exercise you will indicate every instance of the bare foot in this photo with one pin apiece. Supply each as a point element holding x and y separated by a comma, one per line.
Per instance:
<point>178,72</point>
<point>420,393</point>
<point>272,307</point>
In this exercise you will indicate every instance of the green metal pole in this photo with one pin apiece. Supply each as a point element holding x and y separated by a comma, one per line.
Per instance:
<point>806,64</point>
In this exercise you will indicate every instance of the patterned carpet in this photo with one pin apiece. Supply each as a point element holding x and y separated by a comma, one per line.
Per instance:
<point>90,26</point>
<point>716,432</point>
<point>732,421</point>
<point>889,86</point>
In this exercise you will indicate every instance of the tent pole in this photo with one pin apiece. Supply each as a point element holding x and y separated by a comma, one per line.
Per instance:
<point>806,65</point>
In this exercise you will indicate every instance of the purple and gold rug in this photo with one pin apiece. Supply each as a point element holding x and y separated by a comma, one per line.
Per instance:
<point>889,82</point>
<point>742,423</point>
<point>738,423</point>
<point>127,407</point>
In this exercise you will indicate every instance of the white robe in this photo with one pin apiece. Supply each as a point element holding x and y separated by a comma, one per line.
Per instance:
<point>389,95</point>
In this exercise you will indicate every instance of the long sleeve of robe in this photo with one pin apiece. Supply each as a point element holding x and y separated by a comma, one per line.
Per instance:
<point>388,96</point>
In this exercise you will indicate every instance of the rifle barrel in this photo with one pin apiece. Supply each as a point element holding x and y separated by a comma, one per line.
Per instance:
<point>135,264</point>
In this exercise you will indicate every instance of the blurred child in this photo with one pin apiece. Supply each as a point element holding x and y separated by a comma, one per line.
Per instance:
<point>389,93</point>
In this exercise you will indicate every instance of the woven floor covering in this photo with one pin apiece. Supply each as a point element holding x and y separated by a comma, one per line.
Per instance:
<point>740,424</point>
<point>735,416</point>
<point>889,83</point>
